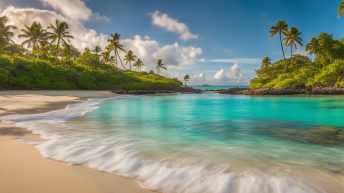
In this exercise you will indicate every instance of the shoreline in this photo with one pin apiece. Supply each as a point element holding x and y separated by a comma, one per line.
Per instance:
<point>286,91</point>
<point>22,163</point>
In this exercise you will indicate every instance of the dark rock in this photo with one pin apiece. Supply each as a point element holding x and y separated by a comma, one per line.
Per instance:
<point>158,91</point>
<point>285,91</point>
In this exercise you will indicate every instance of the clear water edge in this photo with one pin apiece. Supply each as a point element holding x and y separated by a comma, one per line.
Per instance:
<point>169,143</point>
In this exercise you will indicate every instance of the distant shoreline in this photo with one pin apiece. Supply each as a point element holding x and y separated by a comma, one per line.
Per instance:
<point>284,91</point>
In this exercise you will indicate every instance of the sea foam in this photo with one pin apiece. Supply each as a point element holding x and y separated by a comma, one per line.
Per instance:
<point>116,154</point>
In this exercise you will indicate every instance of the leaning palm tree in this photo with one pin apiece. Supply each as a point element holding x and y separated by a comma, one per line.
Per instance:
<point>35,36</point>
<point>97,50</point>
<point>340,8</point>
<point>115,46</point>
<point>129,58</point>
<point>5,33</point>
<point>160,65</point>
<point>293,39</point>
<point>59,34</point>
<point>186,78</point>
<point>138,64</point>
<point>281,27</point>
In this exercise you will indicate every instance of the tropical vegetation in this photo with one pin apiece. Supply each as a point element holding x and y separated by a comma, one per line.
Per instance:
<point>321,66</point>
<point>46,59</point>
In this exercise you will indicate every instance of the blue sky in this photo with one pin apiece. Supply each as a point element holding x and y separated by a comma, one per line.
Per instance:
<point>231,34</point>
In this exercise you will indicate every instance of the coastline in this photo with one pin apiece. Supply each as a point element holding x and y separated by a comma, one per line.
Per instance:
<point>284,91</point>
<point>22,164</point>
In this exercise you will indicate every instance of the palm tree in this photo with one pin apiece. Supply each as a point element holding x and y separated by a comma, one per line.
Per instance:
<point>35,36</point>
<point>129,57</point>
<point>340,8</point>
<point>160,65</point>
<point>293,39</point>
<point>266,62</point>
<point>5,33</point>
<point>97,50</point>
<point>59,34</point>
<point>281,27</point>
<point>138,64</point>
<point>186,78</point>
<point>115,46</point>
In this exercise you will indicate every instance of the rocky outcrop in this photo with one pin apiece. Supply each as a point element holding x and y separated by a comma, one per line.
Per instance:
<point>286,91</point>
<point>145,92</point>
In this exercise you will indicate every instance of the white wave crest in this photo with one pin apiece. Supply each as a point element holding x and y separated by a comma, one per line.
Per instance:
<point>117,154</point>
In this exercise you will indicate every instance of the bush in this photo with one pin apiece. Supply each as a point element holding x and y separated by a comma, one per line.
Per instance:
<point>19,72</point>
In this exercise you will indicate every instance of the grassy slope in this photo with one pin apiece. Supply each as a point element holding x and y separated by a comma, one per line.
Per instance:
<point>301,72</point>
<point>20,72</point>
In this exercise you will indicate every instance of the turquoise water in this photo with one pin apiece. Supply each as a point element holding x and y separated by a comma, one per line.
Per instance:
<point>218,87</point>
<point>205,142</point>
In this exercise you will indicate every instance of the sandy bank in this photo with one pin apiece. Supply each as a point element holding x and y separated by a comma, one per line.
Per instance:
<point>23,169</point>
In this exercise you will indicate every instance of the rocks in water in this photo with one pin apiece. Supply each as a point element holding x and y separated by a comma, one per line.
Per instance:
<point>284,91</point>
<point>157,91</point>
<point>316,135</point>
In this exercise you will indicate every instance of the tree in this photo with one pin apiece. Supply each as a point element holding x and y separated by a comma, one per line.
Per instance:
<point>281,27</point>
<point>115,46</point>
<point>5,33</point>
<point>59,34</point>
<point>293,39</point>
<point>69,51</point>
<point>340,8</point>
<point>325,49</point>
<point>35,37</point>
<point>138,64</point>
<point>129,57</point>
<point>160,66</point>
<point>186,78</point>
<point>97,50</point>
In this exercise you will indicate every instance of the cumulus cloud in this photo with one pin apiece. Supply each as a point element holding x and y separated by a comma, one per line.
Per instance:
<point>172,54</point>
<point>73,9</point>
<point>234,74</point>
<point>83,37</point>
<point>170,24</point>
<point>220,75</point>
<point>199,77</point>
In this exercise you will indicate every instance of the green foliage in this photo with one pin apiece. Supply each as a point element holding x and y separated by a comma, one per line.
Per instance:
<point>87,72</point>
<point>325,49</point>
<point>327,69</point>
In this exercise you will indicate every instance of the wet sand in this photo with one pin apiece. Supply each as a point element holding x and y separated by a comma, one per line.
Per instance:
<point>22,167</point>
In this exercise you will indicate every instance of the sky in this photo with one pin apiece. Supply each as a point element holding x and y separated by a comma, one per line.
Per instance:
<point>218,42</point>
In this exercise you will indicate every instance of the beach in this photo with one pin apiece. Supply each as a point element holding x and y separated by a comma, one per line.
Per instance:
<point>22,167</point>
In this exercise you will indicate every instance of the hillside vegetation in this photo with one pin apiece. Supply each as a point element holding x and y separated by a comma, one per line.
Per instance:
<point>325,70</point>
<point>86,72</point>
<point>46,59</point>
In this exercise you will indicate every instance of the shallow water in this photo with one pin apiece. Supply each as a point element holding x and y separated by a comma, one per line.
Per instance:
<point>203,143</point>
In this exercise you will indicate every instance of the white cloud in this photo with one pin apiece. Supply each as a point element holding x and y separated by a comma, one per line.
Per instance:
<point>232,76</point>
<point>74,9</point>
<point>233,60</point>
<point>167,23</point>
<point>199,77</point>
<point>220,75</point>
<point>235,72</point>
<point>172,54</point>
<point>83,37</point>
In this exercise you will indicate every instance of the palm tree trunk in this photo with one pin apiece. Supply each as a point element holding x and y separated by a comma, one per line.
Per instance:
<point>280,36</point>
<point>120,60</point>
<point>291,55</point>
<point>115,58</point>
<point>57,49</point>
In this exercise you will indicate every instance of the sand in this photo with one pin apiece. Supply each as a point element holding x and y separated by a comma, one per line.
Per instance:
<point>24,170</point>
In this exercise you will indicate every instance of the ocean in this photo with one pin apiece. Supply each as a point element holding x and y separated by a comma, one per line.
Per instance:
<point>202,143</point>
